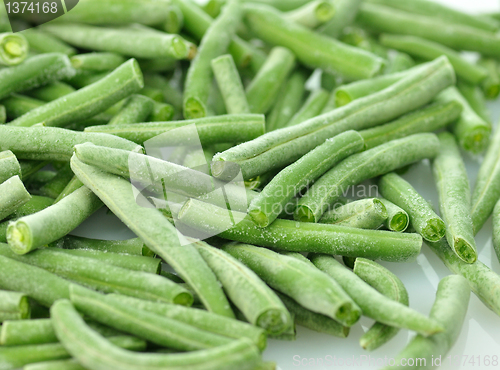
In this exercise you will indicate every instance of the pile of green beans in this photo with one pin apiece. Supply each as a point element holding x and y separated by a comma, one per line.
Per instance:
<point>228,137</point>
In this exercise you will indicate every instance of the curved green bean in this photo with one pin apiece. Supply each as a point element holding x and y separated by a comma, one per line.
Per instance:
<point>397,220</point>
<point>14,49</point>
<point>13,195</point>
<point>269,204</point>
<point>9,166</point>
<point>92,350</point>
<point>389,285</point>
<point>422,217</point>
<point>361,214</point>
<point>13,306</point>
<point>279,148</point>
<point>454,198</point>
<point>362,166</point>
<point>311,108</point>
<point>486,191</point>
<point>372,303</point>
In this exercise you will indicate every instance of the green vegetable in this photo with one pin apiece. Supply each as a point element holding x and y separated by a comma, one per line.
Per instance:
<point>476,99</point>
<point>13,195</point>
<point>345,13</point>
<point>491,85</point>
<point>51,91</point>
<point>13,306</point>
<point>313,14</point>
<point>361,214</point>
<point>44,43</point>
<point>136,109</point>
<point>14,49</point>
<point>97,62</point>
<point>311,108</point>
<point>397,219</point>
<point>9,166</point>
<point>496,229</point>
<point>131,246</point>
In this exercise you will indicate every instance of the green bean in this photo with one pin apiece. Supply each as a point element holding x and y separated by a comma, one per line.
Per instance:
<point>13,195</point>
<point>161,112</point>
<point>214,43</point>
<point>56,185</point>
<point>211,130</point>
<point>312,320</point>
<point>372,303</point>
<point>28,168</point>
<point>9,166</point>
<point>399,62</point>
<point>51,92</point>
<point>449,309</point>
<point>397,220</point>
<point>123,41</point>
<point>230,85</point>
<point>55,365</point>
<point>45,43</point>
<point>17,105</point>
<point>53,143</point>
<point>312,49</point>
<point>265,87</point>
<point>155,328</point>
<point>18,356</point>
<point>136,109</point>
<point>491,85</point>
<point>313,14</point>
<point>156,232</point>
<point>422,217</point>
<point>288,102</point>
<point>97,62</point>
<point>13,306</point>
<point>454,198</point>
<point>105,277</point>
<point>345,13</point>
<point>265,309</point>
<point>85,79</point>
<point>299,280</point>
<point>133,247</point>
<point>436,10</point>
<point>303,237</point>
<point>496,229</point>
<point>381,18</point>
<point>429,50</point>
<point>72,185</point>
<point>199,318</point>
<point>361,214</point>
<point>171,95</point>
<point>482,280</point>
<point>311,108</point>
<point>34,231</point>
<point>14,49</point>
<point>279,148</point>
<point>362,166</point>
<point>35,72</point>
<point>428,119</point>
<point>476,99</point>
<point>358,37</point>
<point>129,262</point>
<point>89,101</point>
<point>487,188</point>
<point>269,204</point>
<point>388,284</point>
<point>93,351</point>
<point>154,94</point>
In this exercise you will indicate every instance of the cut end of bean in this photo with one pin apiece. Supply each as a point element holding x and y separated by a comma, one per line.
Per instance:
<point>342,98</point>
<point>14,49</point>
<point>184,299</point>
<point>477,140</point>
<point>194,108</point>
<point>434,230</point>
<point>224,170</point>
<point>180,49</point>
<point>399,222</point>
<point>347,314</point>
<point>325,11</point>
<point>24,308</point>
<point>274,321</point>
<point>465,251</point>
<point>304,214</point>
<point>259,218</point>
<point>19,237</point>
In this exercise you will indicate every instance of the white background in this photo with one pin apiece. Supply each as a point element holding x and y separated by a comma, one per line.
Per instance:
<point>480,334</point>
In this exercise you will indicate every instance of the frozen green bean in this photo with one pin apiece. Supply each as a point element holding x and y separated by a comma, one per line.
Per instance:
<point>397,220</point>
<point>429,50</point>
<point>214,43</point>
<point>136,109</point>
<point>36,230</point>
<point>134,246</point>
<point>35,72</point>
<point>449,309</point>
<point>362,214</point>
<point>491,85</point>
<point>211,130</point>
<point>154,94</point>
<point>147,325</point>
<point>496,229</point>
<point>345,13</point>
<point>17,105</point>
<point>372,303</point>
<point>97,62</point>
<point>92,350</point>
<point>28,168</point>
<point>14,49</point>
<point>13,306</point>
<point>311,108</point>
<point>156,232</point>
<point>72,185</point>
<point>13,195</point>
<point>303,237</point>
<point>304,283</point>
<point>454,198</point>
<point>269,204</point>
<point>230,85</point>
<point>89,101</point>
<point>9,166</point>
<point>51,91</point>
<point>265,309</point>
<point>476,99</point>
<point>56,185</point>
<point>161,112</point>
<point>53,143</point>
<point>279,148</point>
<point>311,48</point>
<point>486,191</point>
<point>422,217</point>
<point>45,43</point>
<point>313,14</point>
<point>263,91</point>
<point>399,62</point>
<point>428,119</point>
<point>171,95</point>
<point>362,166</point>
<point>388,284</point>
